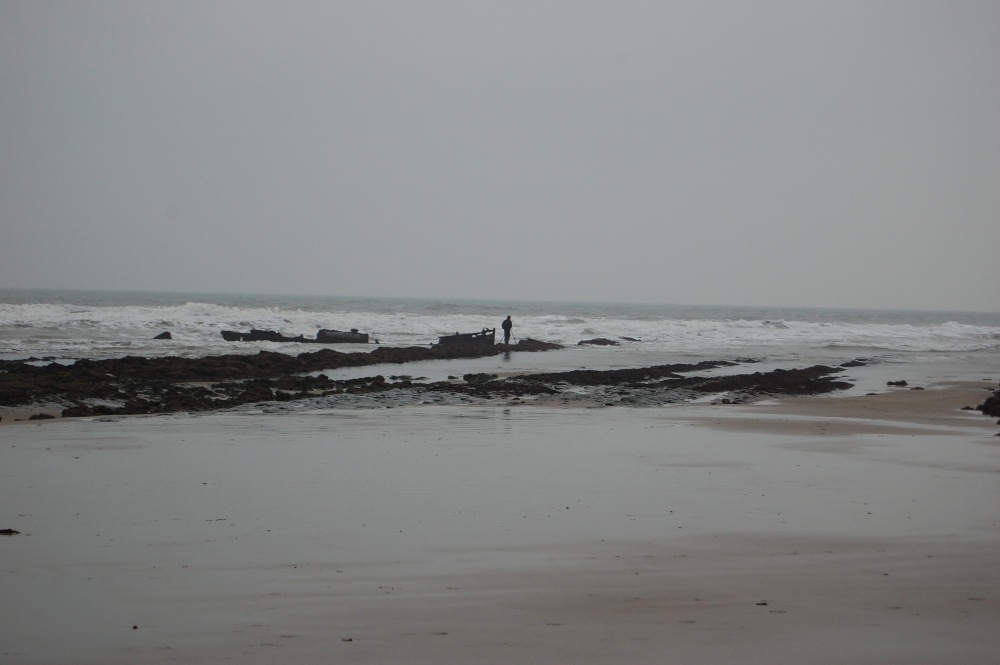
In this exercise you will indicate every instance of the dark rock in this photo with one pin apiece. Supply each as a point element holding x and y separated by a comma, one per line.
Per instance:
<point>77,411</point>
<point>123,379</point>
<point>901,384</point>
<point>9,532</point>
<point>528,344</point>
<point>164,335</point>
<point>991,407</point>
<point>164,385</point>
<point>598,341</point>
<point>807,381</point>
<point>640,376</point>
<point>479,377</point>
<point>41,416</point>
<point>135,406</point>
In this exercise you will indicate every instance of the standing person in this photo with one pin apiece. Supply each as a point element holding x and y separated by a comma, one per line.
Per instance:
<point>506,325</point>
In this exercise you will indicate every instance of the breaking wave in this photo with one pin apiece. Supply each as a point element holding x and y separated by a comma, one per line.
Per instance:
<point>73,329</point>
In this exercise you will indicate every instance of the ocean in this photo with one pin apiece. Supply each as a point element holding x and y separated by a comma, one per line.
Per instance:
<point>66,325</point>
<point>399,526</point>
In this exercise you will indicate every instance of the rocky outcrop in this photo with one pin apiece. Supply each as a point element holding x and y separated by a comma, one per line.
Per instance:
<point>135,385</point>
<point>652,386</point>
<point>154,384</point>
<point>478,377</point>
<point>808,381</point>
<point>528,344</point>
<point>991,407</point>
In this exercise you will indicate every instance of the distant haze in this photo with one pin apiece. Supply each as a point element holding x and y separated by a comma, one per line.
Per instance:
<point>841,154</point>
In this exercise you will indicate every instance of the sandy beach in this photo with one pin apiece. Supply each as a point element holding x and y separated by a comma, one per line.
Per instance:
<point>859,529</point>
<point>451,333</point>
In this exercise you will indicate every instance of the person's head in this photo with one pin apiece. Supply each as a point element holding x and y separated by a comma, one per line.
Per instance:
<point>508,317</point>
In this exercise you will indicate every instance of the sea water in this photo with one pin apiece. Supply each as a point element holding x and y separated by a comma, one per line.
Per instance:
<point>67,325</point>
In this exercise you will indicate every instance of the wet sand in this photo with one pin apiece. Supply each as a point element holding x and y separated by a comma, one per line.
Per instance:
<point>941,406</point>
<point>816,530</point>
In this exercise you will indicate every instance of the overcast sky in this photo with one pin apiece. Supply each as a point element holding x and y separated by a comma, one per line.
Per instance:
<point>834,154</point>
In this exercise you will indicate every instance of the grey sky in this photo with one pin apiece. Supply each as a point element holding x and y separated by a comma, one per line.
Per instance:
<point>746,153</point>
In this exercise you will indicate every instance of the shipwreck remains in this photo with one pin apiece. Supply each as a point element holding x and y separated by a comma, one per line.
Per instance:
<point>485,337</point>
<point>341,337</point>
<point>324,336</point>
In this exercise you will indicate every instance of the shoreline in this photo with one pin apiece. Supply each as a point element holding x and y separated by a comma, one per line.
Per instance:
<point>940,407</point>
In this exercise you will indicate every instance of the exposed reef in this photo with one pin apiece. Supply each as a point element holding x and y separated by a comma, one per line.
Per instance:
<point>163,384</point>
<point>134,385</point>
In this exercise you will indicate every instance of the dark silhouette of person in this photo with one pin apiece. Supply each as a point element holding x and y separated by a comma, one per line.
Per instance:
<point>506,325</point>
